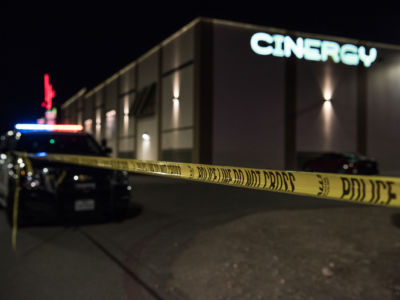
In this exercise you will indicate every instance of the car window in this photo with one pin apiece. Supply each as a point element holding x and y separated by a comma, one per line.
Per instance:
<point>58,143</point>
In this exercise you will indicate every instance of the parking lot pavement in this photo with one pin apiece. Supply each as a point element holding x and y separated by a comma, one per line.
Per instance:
<point>144,256</point>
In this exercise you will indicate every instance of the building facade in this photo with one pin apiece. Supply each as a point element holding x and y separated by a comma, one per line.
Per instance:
<point>236,94</point>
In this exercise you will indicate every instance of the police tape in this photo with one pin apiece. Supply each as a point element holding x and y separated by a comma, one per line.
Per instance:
<point>15,202</point>
<point>374,190</point>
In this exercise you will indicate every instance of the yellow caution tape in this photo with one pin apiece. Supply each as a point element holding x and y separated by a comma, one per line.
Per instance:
<point>27,162</point>
<point>28,165</point>
<point>375,190</point>
<point>61,178</point>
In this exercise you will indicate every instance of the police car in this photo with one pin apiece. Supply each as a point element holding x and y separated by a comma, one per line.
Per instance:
<point>51,191</point>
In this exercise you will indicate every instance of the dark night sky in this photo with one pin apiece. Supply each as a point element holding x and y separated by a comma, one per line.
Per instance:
<point>81,44</point>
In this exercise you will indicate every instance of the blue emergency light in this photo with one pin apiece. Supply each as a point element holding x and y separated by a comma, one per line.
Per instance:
<point>49,127</point>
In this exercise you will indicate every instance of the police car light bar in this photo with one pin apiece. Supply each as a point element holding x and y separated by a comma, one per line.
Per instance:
<point>49,127</point>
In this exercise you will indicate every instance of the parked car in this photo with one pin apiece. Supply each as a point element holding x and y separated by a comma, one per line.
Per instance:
<point>57,191</point>
<point>349,163</point>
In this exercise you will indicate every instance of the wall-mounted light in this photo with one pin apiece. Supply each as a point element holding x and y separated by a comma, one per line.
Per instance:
<point>327,82</point>
<point>327,99</point>
<point>146,137</point>
<point>111,113</point>
<point>126,106</point>
<point>175,100</point>
<point>327,93</point>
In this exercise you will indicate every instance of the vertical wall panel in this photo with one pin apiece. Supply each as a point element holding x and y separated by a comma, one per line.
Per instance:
<point>178,51</point>
<point>148,74</point>
<point>248,102</point>
<point>99,111</point>
<point>178,113</point>
<point>326,126</point>
<point>88,106</point>
<point>383,119</point>
<point>111,95</point>
<point>147,149</point>
<point>99,98</point>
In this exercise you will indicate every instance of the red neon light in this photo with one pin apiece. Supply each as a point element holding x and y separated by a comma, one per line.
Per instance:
<point>49,93</point>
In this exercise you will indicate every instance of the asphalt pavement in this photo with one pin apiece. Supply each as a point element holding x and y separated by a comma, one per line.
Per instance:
<point>175,232</point>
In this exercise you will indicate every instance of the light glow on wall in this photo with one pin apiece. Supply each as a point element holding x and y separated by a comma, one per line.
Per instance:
<point>175,100</point>
<point>327,83</point>
<point>88,125</point>
<point>146,137</point>
<point>126,115</point>
<point>98,124</point>
<point>176,85</point>
<point>111,113</point>
<point>146,146</point>
<point>110,124</point>
<point>175,114</point>
<point>327,123</point>
<point>278,45</point>
<point>327,94</point>
<point>328,87</point>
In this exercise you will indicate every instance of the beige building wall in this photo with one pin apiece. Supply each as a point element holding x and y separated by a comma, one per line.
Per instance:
<point>177,101</point>
<point>126,126</point>
<point>147,126</point>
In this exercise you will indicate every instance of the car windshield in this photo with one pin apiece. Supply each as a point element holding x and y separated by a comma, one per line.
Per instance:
<point>56,142</point>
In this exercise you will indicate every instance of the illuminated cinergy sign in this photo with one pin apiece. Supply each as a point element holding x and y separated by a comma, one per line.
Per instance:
<point>311,49</point>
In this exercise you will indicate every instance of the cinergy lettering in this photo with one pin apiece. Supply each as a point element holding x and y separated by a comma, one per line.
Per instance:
<point>311,49</point>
